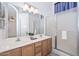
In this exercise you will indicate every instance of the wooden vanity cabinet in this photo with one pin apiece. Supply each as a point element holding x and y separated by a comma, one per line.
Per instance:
<point>38,48</point>
<point>41,48</point>
<point>28,50</point>
<point>13,52</point>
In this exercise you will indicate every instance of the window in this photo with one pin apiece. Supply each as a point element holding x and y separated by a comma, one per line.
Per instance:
<point>63,6</point>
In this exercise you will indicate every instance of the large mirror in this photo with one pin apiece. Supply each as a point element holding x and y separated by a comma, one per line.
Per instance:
<point>19,23</point>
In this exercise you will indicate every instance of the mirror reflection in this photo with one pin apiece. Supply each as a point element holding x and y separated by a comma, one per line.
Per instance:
<point>11,22</point>
<point>2,16</point>
<point>19,22</point>
<point>31,24</point>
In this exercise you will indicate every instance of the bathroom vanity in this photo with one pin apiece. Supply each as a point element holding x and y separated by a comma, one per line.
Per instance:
<point>17,24</point>
<point>27,47</point>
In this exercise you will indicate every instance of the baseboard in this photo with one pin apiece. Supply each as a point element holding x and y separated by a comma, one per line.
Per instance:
<point>59,53</point>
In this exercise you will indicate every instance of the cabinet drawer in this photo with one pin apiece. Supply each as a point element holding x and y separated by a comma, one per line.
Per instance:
<point>38,44</point>
<point>38,49</point>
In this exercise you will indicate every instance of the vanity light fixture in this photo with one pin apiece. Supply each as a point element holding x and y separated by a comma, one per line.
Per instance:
<point>30,9</point>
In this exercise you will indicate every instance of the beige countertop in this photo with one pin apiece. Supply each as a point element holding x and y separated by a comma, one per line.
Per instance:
<point>11,43</point>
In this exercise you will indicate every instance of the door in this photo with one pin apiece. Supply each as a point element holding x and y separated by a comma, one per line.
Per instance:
<point>67,32</point>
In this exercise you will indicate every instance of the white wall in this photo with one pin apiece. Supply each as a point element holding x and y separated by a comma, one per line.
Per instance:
<point>50,24</point>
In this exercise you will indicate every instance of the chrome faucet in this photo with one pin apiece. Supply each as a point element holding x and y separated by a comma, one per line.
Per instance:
<point>18,39</point>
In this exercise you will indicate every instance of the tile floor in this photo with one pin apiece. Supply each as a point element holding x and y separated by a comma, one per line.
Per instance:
<point>53,54</point>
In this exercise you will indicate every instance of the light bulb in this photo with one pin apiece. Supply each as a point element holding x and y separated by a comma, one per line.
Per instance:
<point>31,9</point>
<point>26,7</point>
<point>36,11</point>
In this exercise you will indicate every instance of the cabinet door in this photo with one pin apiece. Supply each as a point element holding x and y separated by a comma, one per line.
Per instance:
<point>45,47</point>
<point>38,48</point>
<point>28,50</point>
<point>14,52</point>
<point>49,45</point>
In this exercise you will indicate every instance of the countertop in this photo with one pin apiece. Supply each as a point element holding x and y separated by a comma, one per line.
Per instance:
<point>11,43</point>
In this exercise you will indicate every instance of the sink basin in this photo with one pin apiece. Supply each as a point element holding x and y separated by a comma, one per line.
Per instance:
<point>32,38</point>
